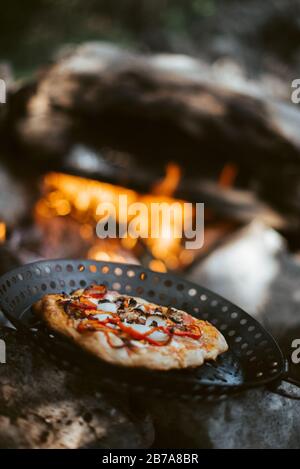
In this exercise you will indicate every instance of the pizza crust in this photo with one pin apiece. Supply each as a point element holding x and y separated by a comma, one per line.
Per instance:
<point>181,352</point>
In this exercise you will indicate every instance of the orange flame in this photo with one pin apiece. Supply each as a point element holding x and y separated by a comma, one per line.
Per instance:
<point>2,232</point>
<point>170,182</point>
<point>79,198</point>
<point>228,175</point>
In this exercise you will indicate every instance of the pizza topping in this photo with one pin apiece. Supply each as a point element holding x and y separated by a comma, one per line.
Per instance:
<point>108,307</point>
<point>175,315</point>
<point>96,291</point>
<point>155,321</point>
<point>134,316</point>
<point>128,319</point>
<point>101,317</point>
<point>132,303</point>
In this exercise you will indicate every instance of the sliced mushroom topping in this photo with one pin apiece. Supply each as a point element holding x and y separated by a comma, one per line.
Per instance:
<point>175,315</point>
<point>133,316</point>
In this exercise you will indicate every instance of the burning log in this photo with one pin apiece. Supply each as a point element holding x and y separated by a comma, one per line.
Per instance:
<point>102,95</point>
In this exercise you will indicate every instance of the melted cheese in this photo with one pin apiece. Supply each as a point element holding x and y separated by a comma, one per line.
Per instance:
<point>159,336</point>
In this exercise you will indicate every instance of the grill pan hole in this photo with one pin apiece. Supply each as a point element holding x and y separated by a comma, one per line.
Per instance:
<point>130,273</point>
<point>192,292</point>
<point>168,283</point>
<point>81,268</point>
<point>118,271</point>
<point>69,268</point>
<point>93,268</point>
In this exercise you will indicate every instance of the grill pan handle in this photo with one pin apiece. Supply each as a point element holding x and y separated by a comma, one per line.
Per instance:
<point>279,388</point>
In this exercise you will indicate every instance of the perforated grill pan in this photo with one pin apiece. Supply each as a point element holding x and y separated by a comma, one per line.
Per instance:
<point>253,359</point>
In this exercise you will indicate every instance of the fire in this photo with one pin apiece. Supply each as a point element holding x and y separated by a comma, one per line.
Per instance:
<point>79,198</point>
<point>2,232</point>
<point>228,175</point>
<point>169,184</point>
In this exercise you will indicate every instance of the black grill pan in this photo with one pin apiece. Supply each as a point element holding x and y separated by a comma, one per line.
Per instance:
<point>253,359</point>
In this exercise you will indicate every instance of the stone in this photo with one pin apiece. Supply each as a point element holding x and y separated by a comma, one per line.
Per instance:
<point>43,405</point>
<point>256,418</point>
<point>14,200</point>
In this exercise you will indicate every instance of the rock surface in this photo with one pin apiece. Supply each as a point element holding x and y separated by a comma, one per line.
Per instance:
<point>45,406</point>
<point>253,419</point>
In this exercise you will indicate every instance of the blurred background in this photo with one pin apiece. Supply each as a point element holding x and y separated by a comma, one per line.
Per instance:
<point>261,37</point>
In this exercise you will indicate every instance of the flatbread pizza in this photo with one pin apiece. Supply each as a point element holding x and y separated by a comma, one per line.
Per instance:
<point>130,331</point>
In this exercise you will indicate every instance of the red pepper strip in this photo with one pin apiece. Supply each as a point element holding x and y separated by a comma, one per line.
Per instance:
<point>95,324</point>
<point>96,291</point>
<point>83,326</point>
<point>187,334</point>
<point>110,342</point>
<point>83,304</point>
<point>194,332</point>
<point>139,336</point>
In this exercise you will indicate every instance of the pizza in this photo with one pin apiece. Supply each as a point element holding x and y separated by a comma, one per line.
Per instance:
<point>130,331</point>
